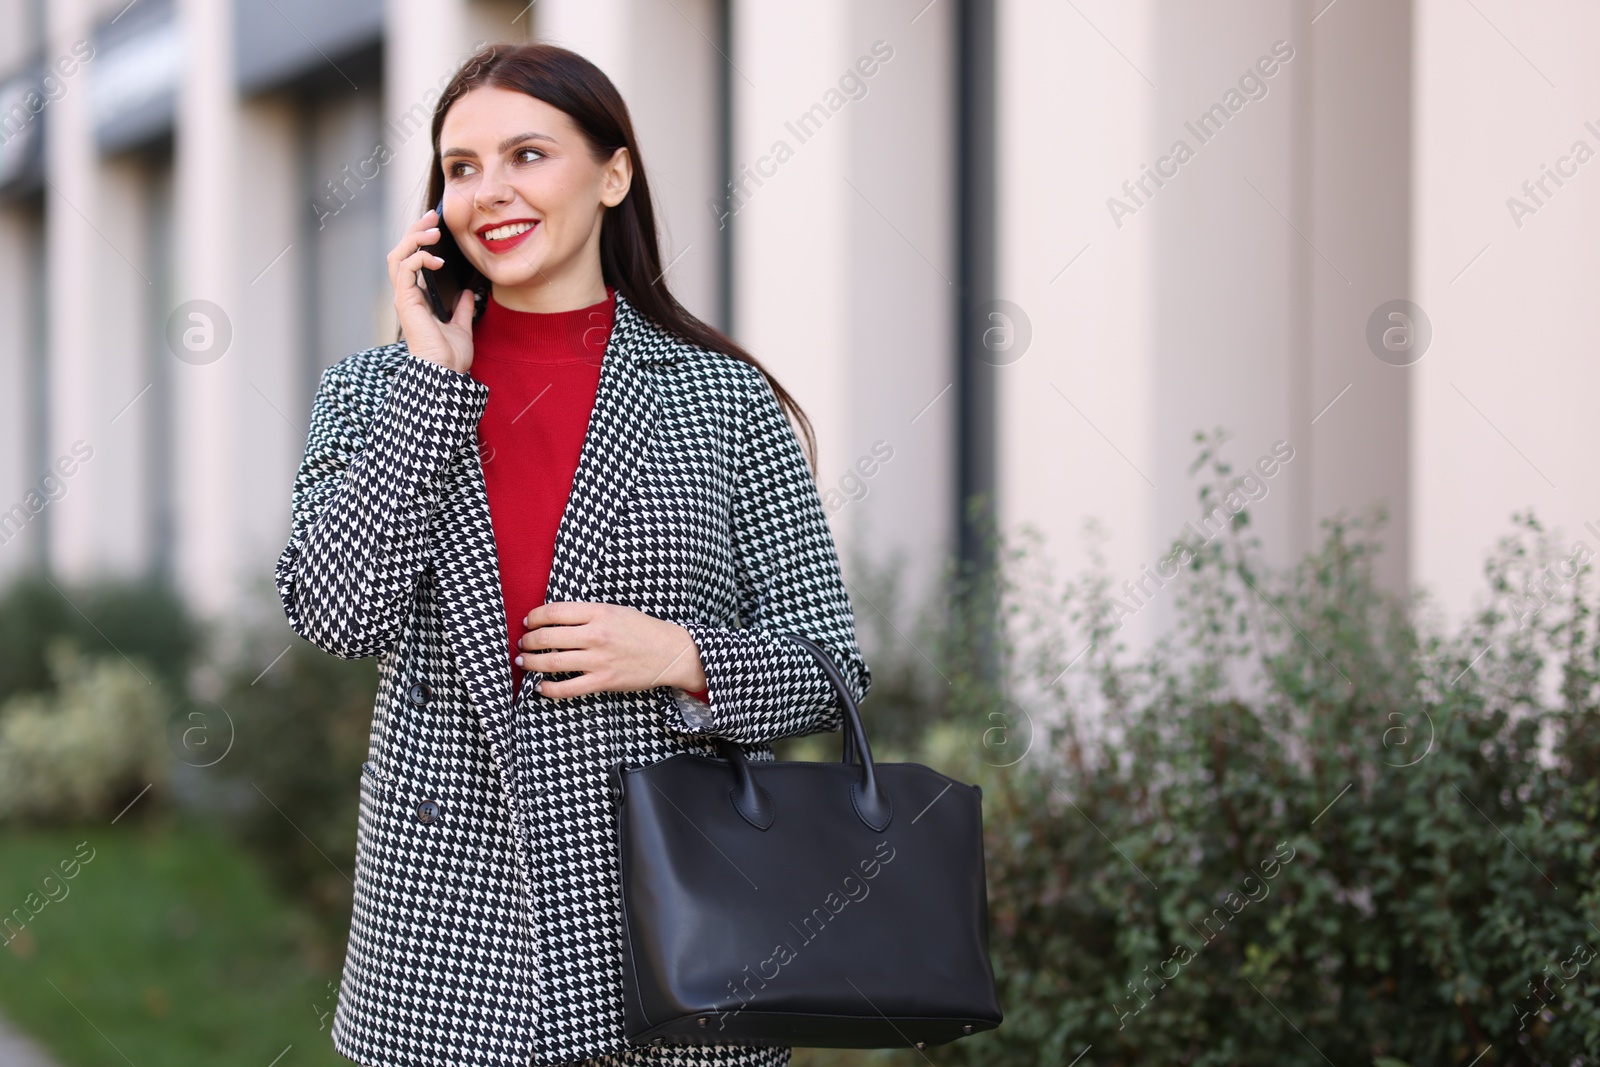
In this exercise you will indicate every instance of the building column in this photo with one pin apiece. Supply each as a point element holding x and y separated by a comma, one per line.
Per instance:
<point>74,250</point>
<point>1076,410</point>
<point>206,317</point>
<point>271,261</point>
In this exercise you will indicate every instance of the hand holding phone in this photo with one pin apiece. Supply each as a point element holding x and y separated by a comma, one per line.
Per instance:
<point>435,316</point>
<point>445,283</point>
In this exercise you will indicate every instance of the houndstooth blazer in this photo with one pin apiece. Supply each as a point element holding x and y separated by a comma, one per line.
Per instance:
<point>487,924</point>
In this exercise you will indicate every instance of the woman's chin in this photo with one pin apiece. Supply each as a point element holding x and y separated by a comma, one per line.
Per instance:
<point>523,277</point>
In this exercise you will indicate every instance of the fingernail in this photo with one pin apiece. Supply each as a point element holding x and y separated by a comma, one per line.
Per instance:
<point>519,661</point>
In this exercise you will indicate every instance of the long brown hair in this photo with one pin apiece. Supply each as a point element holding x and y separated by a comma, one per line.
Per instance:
<point>630,256</point>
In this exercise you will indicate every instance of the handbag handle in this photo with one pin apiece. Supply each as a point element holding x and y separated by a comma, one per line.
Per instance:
<point>872,805</point>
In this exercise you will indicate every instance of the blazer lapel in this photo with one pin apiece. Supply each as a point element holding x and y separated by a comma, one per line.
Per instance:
<point>620,428</point>
<point>473,606</point>
<point>468,575</point>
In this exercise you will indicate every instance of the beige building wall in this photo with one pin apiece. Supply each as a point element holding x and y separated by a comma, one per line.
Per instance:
<point>1230,294</point>
<point>1504,402</point>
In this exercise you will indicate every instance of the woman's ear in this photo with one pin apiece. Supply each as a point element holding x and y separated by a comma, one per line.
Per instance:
<point>616,178</point>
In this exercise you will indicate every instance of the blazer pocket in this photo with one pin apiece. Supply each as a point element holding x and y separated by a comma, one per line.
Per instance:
<point>378,779</point>
<point>378,747</point>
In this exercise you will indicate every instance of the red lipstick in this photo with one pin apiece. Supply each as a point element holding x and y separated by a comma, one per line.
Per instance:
<point>506,244</point>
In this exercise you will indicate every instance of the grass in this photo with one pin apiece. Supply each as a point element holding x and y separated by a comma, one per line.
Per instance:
<point>167,949</point>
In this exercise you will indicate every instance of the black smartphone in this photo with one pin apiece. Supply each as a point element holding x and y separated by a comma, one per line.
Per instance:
<point>444,284</point>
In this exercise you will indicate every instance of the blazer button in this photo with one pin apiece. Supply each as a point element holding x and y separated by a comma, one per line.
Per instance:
<point>420,694</point>
<point>428,811</point>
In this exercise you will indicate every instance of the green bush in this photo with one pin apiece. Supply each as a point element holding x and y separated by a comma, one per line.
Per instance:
<point>90,674</point>
<point>136,620</point>
<point>86,748</point>
<point>288,785</point>
<point>1307,827</point>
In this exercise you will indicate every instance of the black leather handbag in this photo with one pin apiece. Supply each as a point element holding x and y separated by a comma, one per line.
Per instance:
<point>833,905</point>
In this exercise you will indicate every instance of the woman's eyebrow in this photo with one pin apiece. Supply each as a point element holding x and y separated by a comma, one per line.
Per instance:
<point>502,146</point>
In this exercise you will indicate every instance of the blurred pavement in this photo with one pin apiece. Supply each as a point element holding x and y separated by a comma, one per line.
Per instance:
<point>19,1051</point>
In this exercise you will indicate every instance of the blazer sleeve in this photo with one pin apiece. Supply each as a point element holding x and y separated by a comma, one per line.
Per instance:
<point>761,687</point>
<point>363,496</point>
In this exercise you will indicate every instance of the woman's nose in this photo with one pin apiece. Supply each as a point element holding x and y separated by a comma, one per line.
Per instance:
<point>492,191</point>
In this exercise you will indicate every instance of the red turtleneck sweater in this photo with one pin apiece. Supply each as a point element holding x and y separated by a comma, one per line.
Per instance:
<point>542,370</point>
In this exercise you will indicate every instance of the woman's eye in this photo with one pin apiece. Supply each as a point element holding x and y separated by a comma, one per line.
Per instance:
<point>461,168</point>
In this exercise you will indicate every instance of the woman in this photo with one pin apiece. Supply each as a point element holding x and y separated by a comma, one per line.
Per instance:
<point>552,519</point>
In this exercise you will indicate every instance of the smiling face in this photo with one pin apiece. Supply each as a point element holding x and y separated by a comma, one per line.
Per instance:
<point>524,196</point>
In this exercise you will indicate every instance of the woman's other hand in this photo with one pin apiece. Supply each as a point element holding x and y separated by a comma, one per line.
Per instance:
<point>448,344</point>
<point>618,649</point>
